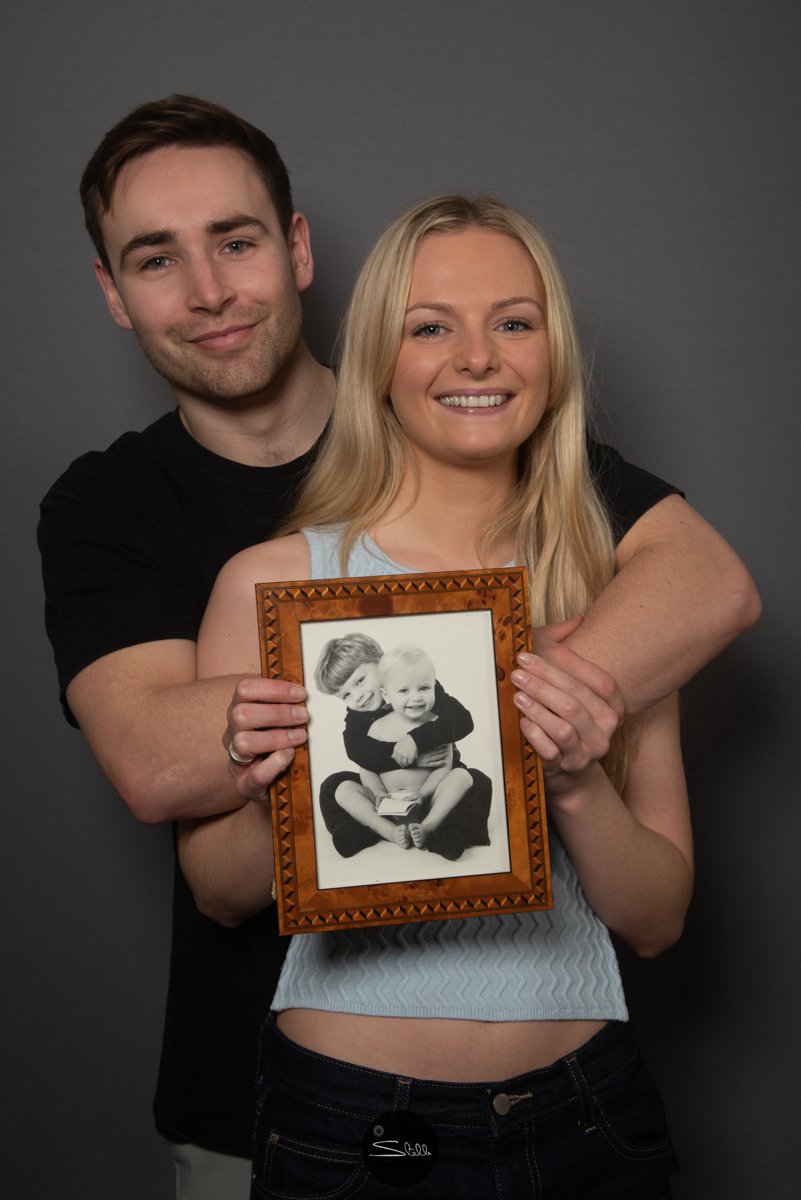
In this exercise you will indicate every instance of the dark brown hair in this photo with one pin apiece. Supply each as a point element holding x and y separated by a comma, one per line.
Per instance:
<point>177,121</point>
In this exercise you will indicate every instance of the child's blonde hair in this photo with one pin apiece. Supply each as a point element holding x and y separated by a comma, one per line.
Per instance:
<point>402,656</point>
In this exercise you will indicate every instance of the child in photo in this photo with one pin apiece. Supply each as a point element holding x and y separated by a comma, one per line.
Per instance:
<point>348,668</point>
<point>407,679</point>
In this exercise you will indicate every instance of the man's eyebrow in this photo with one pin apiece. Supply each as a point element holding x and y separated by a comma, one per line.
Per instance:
<point>157,237</point>
<point>238,221</point>
<point>168,237</point>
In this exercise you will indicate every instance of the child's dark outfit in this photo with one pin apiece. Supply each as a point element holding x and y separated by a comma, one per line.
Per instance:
<point>465,825</point>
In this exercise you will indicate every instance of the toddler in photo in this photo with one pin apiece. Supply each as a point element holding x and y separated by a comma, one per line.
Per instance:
<point>407,679</point>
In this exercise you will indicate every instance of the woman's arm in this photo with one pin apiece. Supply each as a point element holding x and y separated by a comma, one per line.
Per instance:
<point>228,860</point>
<point>632,853</point>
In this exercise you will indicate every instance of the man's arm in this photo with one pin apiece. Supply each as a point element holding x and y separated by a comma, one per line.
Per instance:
<point>242,841</point>
<point>680,595</point>
<point>156,731</point>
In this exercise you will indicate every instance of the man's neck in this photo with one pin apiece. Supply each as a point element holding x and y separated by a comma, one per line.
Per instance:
<point>274,427</point>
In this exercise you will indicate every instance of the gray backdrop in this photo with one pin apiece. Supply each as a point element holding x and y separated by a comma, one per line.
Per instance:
<point>657,143</point>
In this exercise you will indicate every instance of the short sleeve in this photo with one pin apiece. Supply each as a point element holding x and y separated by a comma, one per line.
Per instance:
<point>111,577</point>
<point>626,490</point>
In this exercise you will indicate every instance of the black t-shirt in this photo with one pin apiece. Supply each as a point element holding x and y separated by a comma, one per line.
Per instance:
<point>132,539</point>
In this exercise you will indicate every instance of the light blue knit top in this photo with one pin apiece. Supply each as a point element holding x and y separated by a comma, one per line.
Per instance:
<point>555,965</point>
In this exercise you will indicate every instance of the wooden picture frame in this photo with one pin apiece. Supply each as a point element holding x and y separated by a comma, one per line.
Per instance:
<point>471,626</point>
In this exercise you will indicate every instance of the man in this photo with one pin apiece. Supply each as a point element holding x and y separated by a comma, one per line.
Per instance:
<point>201,254</point>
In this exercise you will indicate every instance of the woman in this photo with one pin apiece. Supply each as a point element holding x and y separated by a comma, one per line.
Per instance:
<point>460,418</point>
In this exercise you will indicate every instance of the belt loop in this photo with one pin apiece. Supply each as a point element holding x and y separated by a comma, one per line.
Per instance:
<point>403,1090</point>
<point>583,1094</point>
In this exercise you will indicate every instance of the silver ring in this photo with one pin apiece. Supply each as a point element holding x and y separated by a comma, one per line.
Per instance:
<point>235,758</point>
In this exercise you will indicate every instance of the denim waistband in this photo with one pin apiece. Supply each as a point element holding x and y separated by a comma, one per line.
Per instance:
<point>362,1092</point>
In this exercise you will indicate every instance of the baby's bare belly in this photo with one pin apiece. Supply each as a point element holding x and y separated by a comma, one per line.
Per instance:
<point>436,1048</point>
<point>408,778</point>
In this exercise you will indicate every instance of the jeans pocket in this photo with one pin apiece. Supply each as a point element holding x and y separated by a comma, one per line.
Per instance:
<point>300,1168</point>
<point>304,1150</point>
<point>631,1116</point>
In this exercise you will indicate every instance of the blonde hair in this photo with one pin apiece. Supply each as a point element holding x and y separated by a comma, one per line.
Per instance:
<point>558,525</point>
<point>403,656</point>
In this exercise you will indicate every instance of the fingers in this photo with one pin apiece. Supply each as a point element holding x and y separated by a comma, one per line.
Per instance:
<point>564,719</point>
<point>403,760</point>
<point>432,759</point>
<point>405,751</point>
<point>563,744</point>
<point>577,670</point>
<point>266,721</point>
<point>265,716</point>
<point>252,782</point>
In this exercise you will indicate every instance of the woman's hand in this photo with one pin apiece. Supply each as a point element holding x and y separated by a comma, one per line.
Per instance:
<point>569,712</point>
<point>266,720</point>
<point>632,851</point>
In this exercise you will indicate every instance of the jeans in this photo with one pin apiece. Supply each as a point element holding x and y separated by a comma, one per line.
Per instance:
<point>590,1125</point>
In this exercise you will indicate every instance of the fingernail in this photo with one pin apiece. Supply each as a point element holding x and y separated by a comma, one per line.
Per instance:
<point>296,735</point>
<point>525,658</point>
<point>518,678</point>
<point>522,700</point>
<point>298,714</point>
<point>297,693</point>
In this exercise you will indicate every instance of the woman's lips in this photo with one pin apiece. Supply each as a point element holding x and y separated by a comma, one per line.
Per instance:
<point>474,399</point>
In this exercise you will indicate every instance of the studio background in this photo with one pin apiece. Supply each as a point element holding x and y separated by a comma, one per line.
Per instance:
<point>657,144</point>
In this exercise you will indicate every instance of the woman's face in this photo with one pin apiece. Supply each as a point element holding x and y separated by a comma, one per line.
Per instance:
<point>472,376</point>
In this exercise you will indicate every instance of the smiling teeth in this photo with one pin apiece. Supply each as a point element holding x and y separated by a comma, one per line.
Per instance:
<point>474,401</point>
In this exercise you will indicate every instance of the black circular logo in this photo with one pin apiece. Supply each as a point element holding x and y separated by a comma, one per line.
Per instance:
<point>400,1148</point>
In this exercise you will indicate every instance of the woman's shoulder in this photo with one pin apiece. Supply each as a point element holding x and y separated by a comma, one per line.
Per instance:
<point>228,639</point>
<point>284,558</point>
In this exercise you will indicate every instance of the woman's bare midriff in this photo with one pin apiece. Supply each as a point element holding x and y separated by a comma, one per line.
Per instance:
<point>436,1048</point>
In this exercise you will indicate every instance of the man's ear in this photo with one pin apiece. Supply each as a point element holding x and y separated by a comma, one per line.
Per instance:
<point>299,242</point>
<point>113,298</point>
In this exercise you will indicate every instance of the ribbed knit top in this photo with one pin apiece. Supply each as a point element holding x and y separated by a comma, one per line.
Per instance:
<point>554,965</point>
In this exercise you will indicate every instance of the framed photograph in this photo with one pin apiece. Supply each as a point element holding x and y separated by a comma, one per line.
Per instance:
<point>416,796</point>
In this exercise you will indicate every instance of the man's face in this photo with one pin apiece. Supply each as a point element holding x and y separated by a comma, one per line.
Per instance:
<point>202,273</point>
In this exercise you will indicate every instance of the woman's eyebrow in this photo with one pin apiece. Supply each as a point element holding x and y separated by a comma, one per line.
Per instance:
<point>516,300</point>
<point>430,304</point>
<point>439,306</point>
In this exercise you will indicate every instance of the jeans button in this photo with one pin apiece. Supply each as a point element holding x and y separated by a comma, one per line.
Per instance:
<point>502,1104</point>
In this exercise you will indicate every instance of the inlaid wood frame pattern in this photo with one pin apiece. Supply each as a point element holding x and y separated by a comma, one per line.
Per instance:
<point>283,609</point>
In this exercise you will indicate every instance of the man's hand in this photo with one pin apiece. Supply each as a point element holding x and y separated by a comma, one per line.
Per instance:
<point>266,720</point>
